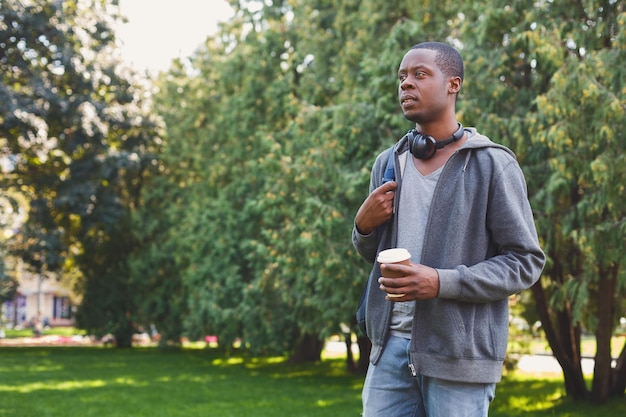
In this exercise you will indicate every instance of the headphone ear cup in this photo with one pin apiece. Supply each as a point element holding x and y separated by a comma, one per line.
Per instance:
<point>424,146</point>
<point>421,146</point>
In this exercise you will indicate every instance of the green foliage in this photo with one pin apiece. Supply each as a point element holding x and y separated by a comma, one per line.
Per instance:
<point>269,146</point>
<point>8,285</point>
<point>76,141</point>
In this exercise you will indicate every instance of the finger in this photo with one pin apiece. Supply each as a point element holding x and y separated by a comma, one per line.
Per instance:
<point>389,284</point>
<point>393,270</point>
<point>388,186</point>
<point>391,291</point>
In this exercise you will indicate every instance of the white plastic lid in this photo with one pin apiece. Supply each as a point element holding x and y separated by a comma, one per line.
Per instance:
<point>391,256</point>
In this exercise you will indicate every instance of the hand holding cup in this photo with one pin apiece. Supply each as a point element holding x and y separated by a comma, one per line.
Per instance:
<point>394,256</point>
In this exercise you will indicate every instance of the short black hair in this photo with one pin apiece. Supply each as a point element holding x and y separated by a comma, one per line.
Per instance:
<point>448,58</point>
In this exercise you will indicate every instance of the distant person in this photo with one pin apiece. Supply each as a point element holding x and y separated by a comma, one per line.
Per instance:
<point>459,205</point>
<point>37,326</point>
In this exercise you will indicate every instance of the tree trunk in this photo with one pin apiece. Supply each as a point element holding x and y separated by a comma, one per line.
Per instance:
<point>350,357</point>
<point>365,347</point>
<point>571,356</point>
<point>618,375</point>
<point>564,343</point>
<point>309,349</point>
<point>123,339</point>
<point>606,309</point>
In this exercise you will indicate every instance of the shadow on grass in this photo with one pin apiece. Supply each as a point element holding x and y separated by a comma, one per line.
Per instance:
<point>80,381</point>
<point>529,396</point>
<point>93,381</point>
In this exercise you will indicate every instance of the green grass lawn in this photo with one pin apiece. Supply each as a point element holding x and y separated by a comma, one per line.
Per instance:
<point>95,381</point>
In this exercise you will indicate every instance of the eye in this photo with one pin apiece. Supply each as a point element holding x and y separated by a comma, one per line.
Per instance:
<point>420,74</point>
<point>401,77</point>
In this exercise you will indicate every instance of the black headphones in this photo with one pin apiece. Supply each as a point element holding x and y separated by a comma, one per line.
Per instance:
<point>424,146</point>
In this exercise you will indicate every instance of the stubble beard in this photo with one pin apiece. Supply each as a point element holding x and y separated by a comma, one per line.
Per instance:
<point>417,118</point>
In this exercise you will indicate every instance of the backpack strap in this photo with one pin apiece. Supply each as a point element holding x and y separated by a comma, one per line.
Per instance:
<point>390,174</point>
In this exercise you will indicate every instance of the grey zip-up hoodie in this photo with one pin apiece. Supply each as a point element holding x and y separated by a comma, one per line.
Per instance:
<point>481,239</point>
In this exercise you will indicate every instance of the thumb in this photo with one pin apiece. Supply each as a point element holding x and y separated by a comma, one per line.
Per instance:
<point>388,186</point>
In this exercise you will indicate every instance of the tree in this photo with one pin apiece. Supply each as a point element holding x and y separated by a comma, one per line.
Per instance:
<point>537,77</point>
<point>269,146</point>
<point>77,140</point>
<point>10,219</point>
<point>583,195</point>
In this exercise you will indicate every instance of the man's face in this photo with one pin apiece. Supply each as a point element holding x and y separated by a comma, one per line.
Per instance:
<point>423,88</point>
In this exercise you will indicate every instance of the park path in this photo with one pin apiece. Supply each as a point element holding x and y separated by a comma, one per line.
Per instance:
<point>544,364</point>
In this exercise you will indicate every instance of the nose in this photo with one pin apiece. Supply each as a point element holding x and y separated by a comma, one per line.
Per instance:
<point>406,83</point>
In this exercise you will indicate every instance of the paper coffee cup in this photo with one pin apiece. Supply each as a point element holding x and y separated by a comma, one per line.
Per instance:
<point>394,256</point>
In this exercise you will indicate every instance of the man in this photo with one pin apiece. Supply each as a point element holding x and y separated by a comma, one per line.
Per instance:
<point>459,205</point>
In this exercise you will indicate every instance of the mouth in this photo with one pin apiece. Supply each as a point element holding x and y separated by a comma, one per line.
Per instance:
<point>407,101</point>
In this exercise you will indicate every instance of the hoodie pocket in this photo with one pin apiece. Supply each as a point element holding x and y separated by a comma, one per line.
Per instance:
<point>439,328</point>
<point>457,330</point>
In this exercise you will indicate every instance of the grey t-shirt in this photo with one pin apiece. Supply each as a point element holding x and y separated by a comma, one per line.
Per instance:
<point>415,198</point>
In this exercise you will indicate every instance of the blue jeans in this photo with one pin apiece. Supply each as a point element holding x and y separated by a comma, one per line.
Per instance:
<point>390,390</point>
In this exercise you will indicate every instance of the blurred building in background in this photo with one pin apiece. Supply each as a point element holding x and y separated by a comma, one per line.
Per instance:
<point>38,299</point>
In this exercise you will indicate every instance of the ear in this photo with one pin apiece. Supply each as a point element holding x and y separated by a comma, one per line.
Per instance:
<point>454,85</point>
